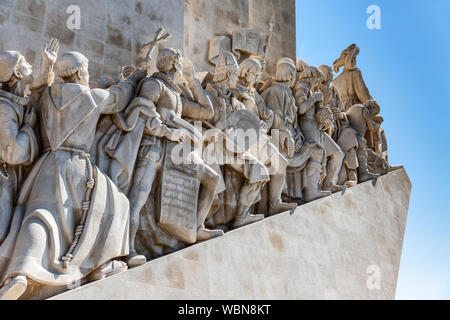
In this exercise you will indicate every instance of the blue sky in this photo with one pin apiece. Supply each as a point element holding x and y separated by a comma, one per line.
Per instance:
<point>406,65</point>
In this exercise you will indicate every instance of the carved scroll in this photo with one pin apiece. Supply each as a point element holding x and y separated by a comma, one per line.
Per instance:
<point>179,192</point>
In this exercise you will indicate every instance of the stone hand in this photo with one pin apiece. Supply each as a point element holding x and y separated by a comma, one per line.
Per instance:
<point>50,52</point>
<point>177,136</point>
<point>127,71</point>
<point>290,146</point>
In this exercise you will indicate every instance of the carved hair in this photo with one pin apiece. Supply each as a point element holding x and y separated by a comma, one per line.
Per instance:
<point>247,66</point>
<point>285,72</point>
<point>9,61</point>
<point>311,72</point>
<point>301,65</point>
<point>327,73</point>
<point>167,58</point>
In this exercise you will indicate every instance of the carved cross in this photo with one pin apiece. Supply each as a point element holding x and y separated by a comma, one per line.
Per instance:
<point>160,36</point>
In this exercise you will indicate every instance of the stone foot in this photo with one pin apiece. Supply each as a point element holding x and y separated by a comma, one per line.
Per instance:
<point>311,196</point>
<point>135,260</point>
<point>367,176</point>
<point>350,183</point>
<point>335,188</point>
<point>108,269</point>
<point>281,206</point>
<point>206,234</point>
<point>241,221</point>
<point>14,288</point>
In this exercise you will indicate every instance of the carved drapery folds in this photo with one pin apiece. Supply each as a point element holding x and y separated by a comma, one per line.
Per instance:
<point>128,167</point>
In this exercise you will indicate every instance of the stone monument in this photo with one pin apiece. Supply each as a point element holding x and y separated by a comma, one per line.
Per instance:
<point>179,150</point>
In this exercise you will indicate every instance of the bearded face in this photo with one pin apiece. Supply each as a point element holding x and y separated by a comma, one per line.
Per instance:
<point>232,78</point>
<point>178,66</point>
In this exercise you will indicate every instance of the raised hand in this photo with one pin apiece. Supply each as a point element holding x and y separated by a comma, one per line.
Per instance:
<point>127,71</point>
<point>49,55</point>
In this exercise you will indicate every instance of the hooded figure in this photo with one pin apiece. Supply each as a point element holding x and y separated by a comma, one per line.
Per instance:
<point>18,143</point>
<point>70,218</point>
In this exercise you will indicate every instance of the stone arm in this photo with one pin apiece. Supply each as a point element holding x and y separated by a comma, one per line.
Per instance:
<point>203,109</point>
<point>104,82</point>
<point>360,86</point>
<point>18,144</point>
<point>117,97</point>
<point>304,103</point>
<point>151,91</point>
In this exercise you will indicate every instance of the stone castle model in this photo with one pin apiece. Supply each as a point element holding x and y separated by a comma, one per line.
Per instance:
<point>102,175</point>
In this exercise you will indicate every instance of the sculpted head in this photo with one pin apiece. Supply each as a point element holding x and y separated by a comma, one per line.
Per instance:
<point>347,59</point>
<point>14,67</point>
<point>72,67</point>
<point>286,72</point>
<point>301,65</point>
<point>170,60</point>
<point>373,107</point>
<point>250,71</point>
<point>327,73</point>
<point>226,70</point>
<point>312,75</point>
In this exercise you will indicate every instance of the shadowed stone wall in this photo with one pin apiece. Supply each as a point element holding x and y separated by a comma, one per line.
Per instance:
<point>110,34</point>
<point>206,18</point>
<point>113,30</point>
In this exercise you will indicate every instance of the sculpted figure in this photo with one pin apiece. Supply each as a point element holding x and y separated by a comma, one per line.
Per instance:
<point>250,72</point>
<point>161,133</point>
<point>287,134</point>
<point>18,143</point>
<point>250,174</point>
<point>308,104</point>
<point>362,123</point>
<point>345,136</point>
<point>376,141</point>
<point>350,83</point>
<point>70,220</point>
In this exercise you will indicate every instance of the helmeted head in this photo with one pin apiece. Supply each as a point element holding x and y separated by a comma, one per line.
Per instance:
<point>327,73</point>
<point>301,65</point>
<point>347,58</point>
<point>226,69</point>
<point>13,66</point>
<point>312,75</point>
<point>250,71</point>
<point>170,59</point>
<point>286,72</point>
<point>72,67</point>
